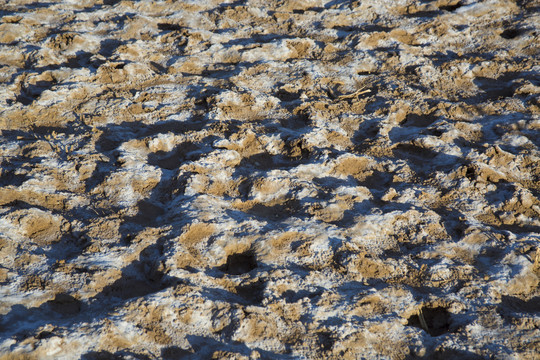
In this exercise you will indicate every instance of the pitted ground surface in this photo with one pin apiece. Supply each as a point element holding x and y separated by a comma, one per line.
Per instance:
<point>270,179</point>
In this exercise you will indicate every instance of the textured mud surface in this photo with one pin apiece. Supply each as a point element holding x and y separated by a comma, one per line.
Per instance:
<point>270,179</point>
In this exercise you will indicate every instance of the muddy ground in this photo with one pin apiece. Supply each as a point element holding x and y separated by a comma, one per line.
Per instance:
<point>270,179</point>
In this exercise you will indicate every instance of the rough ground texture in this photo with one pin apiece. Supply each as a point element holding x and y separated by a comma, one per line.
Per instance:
<point>270,179</point>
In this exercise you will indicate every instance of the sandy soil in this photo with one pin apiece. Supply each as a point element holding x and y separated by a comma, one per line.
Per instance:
<point>270,179</point>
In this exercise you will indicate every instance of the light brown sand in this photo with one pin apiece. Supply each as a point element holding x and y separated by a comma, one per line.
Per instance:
<point>270,179</point>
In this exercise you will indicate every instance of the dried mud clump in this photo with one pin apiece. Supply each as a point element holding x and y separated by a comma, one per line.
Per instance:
<point>269,179</point>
